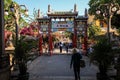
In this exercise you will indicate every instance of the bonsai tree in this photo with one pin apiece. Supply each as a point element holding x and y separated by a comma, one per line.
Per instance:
<point>103,56</point>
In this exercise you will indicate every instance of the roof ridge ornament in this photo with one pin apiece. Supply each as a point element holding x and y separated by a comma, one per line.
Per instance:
<point>75,8</point>
<point>49,8</point>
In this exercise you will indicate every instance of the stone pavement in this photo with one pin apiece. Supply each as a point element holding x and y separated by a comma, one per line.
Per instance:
<point>57,67</point>
<point>57,51</point>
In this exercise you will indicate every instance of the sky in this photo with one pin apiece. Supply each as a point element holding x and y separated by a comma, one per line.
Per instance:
<point>56,5</point>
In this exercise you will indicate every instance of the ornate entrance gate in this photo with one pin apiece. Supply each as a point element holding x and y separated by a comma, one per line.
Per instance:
<point>62,20</point>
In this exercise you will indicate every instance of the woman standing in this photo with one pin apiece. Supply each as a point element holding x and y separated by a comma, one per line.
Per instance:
<point>75,62</point>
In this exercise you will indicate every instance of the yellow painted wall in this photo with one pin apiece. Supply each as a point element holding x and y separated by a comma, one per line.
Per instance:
<point>97,23</point>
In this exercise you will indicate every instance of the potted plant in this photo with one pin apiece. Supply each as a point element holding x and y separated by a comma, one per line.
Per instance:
<point>102,55</point>
<point>117,63</point>
<point>21,56</point>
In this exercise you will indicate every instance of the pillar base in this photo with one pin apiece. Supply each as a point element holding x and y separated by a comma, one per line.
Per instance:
<point>4,61</point>
<point>5,73</point>
<point>4,67</point>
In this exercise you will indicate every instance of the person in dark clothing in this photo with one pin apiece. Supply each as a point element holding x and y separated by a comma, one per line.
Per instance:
<point>75,62</point>
<point>61,45</point>
<point>66,46</point>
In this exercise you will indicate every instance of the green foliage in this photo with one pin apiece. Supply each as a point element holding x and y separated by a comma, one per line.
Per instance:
<point>23,23</point>
<point>95,5</point>
<point>115,21</point>
<point>9,19</point>
<point>33,17</point>
<point>69,34</point>
<point>102,54</point>
<point>118,31</point>
<point>20,50</point>
<point>93,31</point>
<point>22,53</point>
<point>23,47</point>
<point>54,38</point>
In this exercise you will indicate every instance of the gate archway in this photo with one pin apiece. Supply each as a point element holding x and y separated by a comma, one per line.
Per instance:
<point>62,21</point>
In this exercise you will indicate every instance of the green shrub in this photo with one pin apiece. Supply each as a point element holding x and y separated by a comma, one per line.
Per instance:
<point>102,55</point>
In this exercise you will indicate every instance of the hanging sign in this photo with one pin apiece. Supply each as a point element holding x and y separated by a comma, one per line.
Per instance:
<point>62,24</point>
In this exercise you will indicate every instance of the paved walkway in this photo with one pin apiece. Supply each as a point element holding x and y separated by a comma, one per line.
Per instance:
<point>57,67</point>
<point>57,51</point>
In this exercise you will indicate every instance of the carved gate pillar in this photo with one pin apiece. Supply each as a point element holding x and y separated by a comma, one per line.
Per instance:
<point>50,38</point>
<point>75,35</point>
<point>40,39</point>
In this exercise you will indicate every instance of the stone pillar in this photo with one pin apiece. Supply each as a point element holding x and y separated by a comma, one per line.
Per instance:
<point>4,58</point>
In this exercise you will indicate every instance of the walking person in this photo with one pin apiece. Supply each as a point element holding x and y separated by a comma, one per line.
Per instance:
<point>66,46</point>
<point>75,63</point>
<point>46,48</point>
<point>61,45</point>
